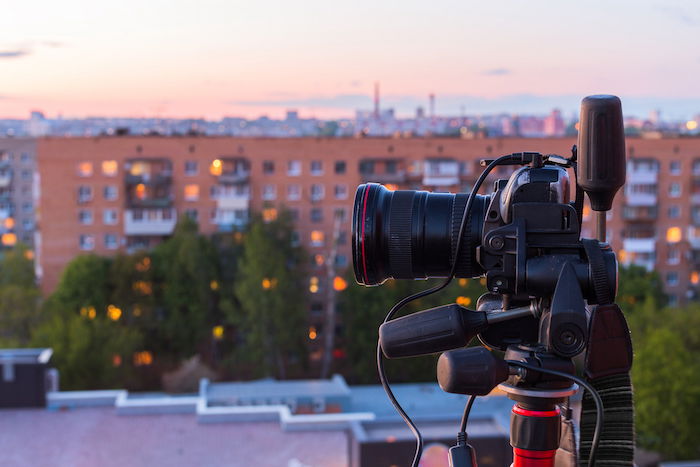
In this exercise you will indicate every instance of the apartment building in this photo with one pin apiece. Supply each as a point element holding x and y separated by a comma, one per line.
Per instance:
<point>17,196</point>
<point>111,194</point>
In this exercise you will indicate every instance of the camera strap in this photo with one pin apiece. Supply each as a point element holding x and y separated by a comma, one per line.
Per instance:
<point>608,364</point>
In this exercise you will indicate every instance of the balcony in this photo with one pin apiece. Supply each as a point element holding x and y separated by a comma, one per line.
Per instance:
<point>642,176</point>
<point>640,199</point>
<point>151,203</point>
<point>149,221</point>
<point>393,178</point>
<point>693,237</point>
<point>162,178</point>
<point>441,172</point>
<point>640,213</point>
<point>233,178</point>
<point>5,179</point>
<point>233,202</point>
<point>639,245</point>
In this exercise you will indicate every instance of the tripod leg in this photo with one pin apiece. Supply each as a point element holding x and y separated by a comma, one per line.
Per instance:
<point>534,433</point>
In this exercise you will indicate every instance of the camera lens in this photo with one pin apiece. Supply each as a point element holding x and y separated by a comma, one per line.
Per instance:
<point>409,234</point>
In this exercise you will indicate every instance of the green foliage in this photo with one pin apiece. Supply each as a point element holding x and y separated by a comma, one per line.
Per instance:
<point>19,298</point>
<point>271,321</point>
<point>363,310</point>
<point>636,285</point>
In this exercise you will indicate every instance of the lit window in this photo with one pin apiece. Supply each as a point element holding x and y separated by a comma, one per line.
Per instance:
<point>87,242</point>
<point>109,216</point>
<point>293,192</point>
<point>269,192</point>
<point>695,277</point>
<point>339,284</point>
<point>317,192</point>
<point>463,301</point>
<point>217,332</point>
<point>674,235</point>
<point>313,285</point>
<point>140,191</point>
<point>312,333</point>
<point>319,259</point>
<point>109,168</point>
<point>216,167</point>
<point>341,192</point>
<point>316,168</point>
<point>294,168</point>
<point>85,216</point>
<point>143,358</point>
<point>114,312</point>
<point>110,193</point>
<point>190,168</point>
<point>9,239</point>
<point>85,169</point>
<point>9,223</point>
<point>111,241</point>
<point>191,192</point>
<point>269,214</point>
<point>317,238</point>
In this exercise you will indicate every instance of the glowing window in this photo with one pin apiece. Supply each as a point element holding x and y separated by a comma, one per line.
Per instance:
<point>463,301</point>
<point>109,168</point>
<point>143,358</point>
<point>218,332</point>
<point>339,284</point>
<point>269,214</point>
<point>313,284</point>
<point>140,191</point>
<point>85,169</point>
<point>312,333</point>
<point>317,237</point>
<point>114,313</point>
<point>9,239</point>
<point>695,277</point>
<point>9,223</point>
<point>674,235</point>
<point>216,167</point>
<point>319,260</point>
<point>191,192</point>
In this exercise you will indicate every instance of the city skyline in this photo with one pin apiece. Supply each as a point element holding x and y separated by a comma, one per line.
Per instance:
<point>230,59</point>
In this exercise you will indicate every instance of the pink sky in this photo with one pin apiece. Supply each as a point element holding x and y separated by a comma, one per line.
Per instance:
<point>172,59</point>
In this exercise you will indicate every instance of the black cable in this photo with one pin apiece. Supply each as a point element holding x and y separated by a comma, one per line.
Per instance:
<point>465,416</point>
<point>589,388</point>
<point>401,303</point>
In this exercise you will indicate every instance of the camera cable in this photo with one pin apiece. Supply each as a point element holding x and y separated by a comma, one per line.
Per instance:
<point>521,158</point>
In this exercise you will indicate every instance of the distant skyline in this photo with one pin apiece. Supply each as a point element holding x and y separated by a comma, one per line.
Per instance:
<point>232,58</point>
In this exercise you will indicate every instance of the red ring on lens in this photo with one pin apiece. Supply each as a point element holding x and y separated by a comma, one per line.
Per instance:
<point>364,222</point>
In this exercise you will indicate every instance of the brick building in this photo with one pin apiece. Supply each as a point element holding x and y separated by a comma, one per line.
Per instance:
<point>112,194</point>
<point>17,171</point>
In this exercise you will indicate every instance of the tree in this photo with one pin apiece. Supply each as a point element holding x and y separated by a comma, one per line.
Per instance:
<point>186,277</point>
<point>271,321</point>
<point>19,297</point>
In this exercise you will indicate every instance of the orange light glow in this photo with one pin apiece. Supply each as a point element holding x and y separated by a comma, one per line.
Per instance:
<point>269,214</point>
<point>9,223</point>
<point>695,277</point>
<point>143,358</point>
<point>191,192</point>
<point>144,265</point>
<point>29,255</point>
<point>317,237</point>
<point>137,310</point>
<point>218,332</point>
<point>482,281</point>
<point>391,187</point>
<point>463,301</point>
<point>463,282</point>
<point>319,260</point>
<point>214,285</point>
<point>116,360</point>
<point>312,333</point>
<point>216,167</point>
<point>691,125</point>
<point>339,284</point>
<point>674,235</point>
<point>109,168</point>
<point>266,283</point>
<point>114,313</point>
<point>85,169</point>
<point>91,312</point>
<point>9,239</point>
<point>143,286</point>
<point>586,211</point>
<point>140,191</point>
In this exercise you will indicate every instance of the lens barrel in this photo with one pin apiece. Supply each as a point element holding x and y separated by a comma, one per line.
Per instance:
<point>409,234</point>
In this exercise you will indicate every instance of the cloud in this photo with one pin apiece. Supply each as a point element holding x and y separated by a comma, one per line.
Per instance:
<point>16,53</point>
<point>497,72</point>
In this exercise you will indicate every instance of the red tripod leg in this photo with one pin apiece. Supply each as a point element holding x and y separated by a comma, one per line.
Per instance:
<point>534,435</point>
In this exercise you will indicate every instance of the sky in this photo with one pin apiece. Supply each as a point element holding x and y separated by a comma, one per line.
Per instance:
<point>213,58</point>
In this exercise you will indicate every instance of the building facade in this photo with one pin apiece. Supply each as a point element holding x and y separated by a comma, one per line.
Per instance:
<point>17,191</point>
<point>111,194</point>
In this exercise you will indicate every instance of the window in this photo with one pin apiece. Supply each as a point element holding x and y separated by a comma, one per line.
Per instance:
<point>367,167</point>
<point>216,167</point>
<point>674,235</point>
<point>137,214</point>
<point>674,212</point>
<point>672,300</point>
<point>269,214</point>
<point>317,215</point>
<point>342,238</point>
<point>268,167</point>
<point>340,214</point>
<point>110,192</point>
<point>317,237</point>
<point>111,241</point>
<point>293,192</point>
<point>317,192</point>
<point>87,242</point>
<point>25,157</point>
<point>294,168</point>
<point>191,168</point>
<point>294,214</point>
<point>673,256</point>
<point>192,214</point>
<point>296,238</point>
<point>674,190</point>
<point>672,278</point>
<point>316,168</point>
<point>84,194</point>
<point>85,169</point>
<point>341,261</point>
<point>26,174</point>
<point>85,216</point>
<point>341,192</point>
<point>109,168</point>
<point>391,167</point>
<point>213,191</point>
<point>269,192</point>
<point>109,216</point>
<point>340,167</point>
<point>191,192</point>
<point>27,208</point>
<point>27,224</point>
<point>675,167</point>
